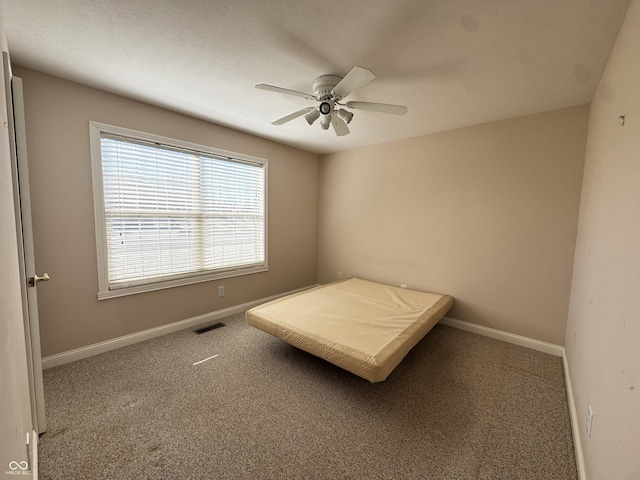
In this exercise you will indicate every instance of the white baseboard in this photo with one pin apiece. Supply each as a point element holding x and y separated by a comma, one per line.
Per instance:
<point>538,345</point>
<point>108,345</point>
<point>573,415</point>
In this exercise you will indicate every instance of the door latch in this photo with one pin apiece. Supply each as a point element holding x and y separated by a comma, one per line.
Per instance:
<point>33,281</point>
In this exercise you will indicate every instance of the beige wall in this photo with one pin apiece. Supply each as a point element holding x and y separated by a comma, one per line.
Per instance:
<point>487,214</point>
<point>57,116</point>
<point>15,405</point>
<point>603,332</point>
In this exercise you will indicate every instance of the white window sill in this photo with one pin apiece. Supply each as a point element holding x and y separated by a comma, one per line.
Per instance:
<point>150,287</point>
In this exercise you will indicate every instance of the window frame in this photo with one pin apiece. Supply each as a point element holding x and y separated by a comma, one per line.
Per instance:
<point>105,291</point>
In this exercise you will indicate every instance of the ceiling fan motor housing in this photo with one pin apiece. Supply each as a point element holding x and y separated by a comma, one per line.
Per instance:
<point>322,89</point>
<point>324,85</point>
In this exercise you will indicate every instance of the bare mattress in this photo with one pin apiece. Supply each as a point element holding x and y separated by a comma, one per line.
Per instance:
<point>362,326</point>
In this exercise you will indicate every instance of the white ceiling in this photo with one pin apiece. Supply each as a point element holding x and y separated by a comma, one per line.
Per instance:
<point>454,63</point>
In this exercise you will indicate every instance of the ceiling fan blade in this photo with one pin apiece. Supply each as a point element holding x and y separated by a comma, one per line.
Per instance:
<point>356,78</point>
<point>378,107</point>
<point>293,115</point>
<point>339,126</point>
<point>286,91</point>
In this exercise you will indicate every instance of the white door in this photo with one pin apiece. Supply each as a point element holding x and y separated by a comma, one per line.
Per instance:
<point>29,277</point>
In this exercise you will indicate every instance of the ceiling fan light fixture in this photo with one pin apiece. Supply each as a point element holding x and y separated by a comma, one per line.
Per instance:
<point>312,116</point>
<point>345,115</point>
<point>325,108</point>
<point>325,122</point>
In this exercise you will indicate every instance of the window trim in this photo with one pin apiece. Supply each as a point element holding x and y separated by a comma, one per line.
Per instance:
<point>96,129</point>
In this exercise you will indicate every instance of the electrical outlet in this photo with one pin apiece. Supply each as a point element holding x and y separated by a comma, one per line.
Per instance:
<point>589,421</point>
<point>221,291</point>
<point>339,275</point>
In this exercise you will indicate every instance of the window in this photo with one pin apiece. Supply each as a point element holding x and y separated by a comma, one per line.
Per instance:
<point>171,213</point>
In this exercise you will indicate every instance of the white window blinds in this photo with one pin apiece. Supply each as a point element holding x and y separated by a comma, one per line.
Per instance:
<point>172,212</point>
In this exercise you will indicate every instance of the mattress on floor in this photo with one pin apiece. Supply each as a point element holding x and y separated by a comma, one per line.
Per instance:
<point>362,326</point>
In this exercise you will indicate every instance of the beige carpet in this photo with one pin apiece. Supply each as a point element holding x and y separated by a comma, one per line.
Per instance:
<point>460,406</point>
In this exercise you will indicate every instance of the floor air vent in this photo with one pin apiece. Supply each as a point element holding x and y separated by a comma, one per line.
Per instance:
<point>209,327</point>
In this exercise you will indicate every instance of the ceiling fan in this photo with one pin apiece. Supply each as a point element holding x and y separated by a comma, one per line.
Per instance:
<point>330,90</point>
